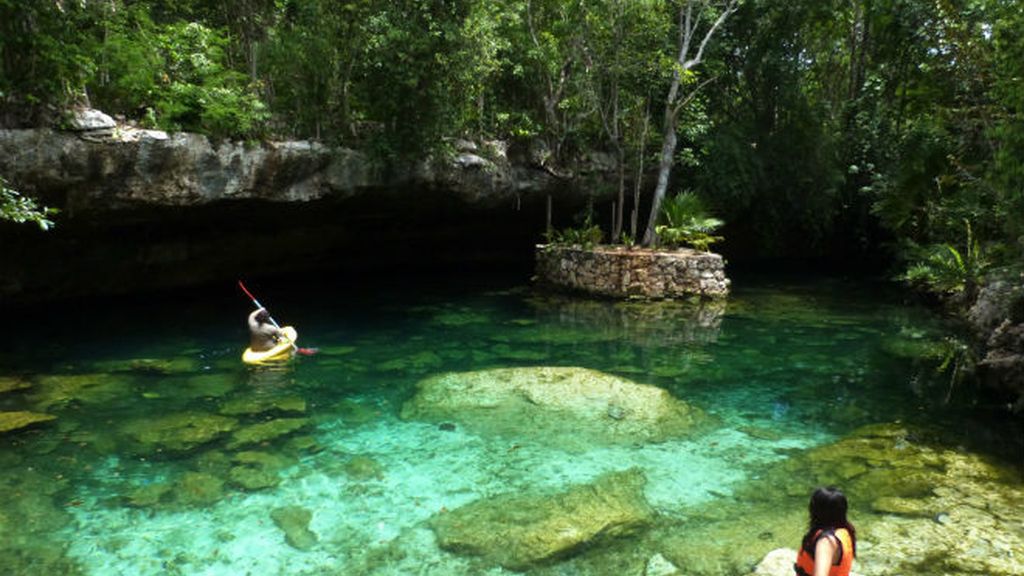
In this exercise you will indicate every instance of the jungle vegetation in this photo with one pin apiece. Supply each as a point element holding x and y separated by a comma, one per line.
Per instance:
<point>889,129</point>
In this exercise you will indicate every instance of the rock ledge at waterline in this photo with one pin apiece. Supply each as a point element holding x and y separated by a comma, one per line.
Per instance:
<point>620,272</point>
<point>559,405</point>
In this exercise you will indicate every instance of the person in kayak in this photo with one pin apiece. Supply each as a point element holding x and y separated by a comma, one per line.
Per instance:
<point>263,335</point>
<point>830,544</point>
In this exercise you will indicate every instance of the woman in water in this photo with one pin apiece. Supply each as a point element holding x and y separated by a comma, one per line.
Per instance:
<point>830,544</point>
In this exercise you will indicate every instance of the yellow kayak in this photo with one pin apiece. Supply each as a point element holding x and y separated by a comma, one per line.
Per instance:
<point>284,349</point>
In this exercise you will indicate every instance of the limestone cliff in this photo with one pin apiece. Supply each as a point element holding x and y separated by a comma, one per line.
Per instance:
<point>145,208</point>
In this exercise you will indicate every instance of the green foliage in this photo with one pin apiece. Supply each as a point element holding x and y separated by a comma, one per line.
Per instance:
<point>945,269</point>
<point>686,222</point>
<point>44,57</point>
<point>17,208</point>
<point>586,236</point>
<point>822,127</point>
<point>196,91</point>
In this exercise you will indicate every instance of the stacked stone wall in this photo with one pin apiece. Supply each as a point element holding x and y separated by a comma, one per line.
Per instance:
<point>620,272</point>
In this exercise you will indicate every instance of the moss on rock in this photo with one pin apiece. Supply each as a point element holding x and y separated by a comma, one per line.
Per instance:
<point>177,432</point>
<point>294,522</point>
<point>11,383</point>
<point>251,405</point>
<point>57,390</point>
<point>198,489</point>
<point>17,420</point>
<point>265,431</point>
<point>522,531</point>
<point>362,467</point>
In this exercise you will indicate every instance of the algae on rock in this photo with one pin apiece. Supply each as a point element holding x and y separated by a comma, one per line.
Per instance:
<point>361,467</point>
<point>93,389</point>
<point>177,432</point>
<point>294,522</point>
<point>521,531</point>
<point>10,384</point>
<point>264,431</point>
<point>257,470</point>
<point>21,419</point>
<point>251,405</point>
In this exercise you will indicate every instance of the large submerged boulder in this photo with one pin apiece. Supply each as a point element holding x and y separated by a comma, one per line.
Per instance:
<point>522,531</point>
<point>561,405</point>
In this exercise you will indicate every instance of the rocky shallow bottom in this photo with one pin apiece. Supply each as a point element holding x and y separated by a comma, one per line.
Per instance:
<point>464,439</point>
<point>257,485</point>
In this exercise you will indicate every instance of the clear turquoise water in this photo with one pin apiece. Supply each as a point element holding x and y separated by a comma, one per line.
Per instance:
<point>783,367</point>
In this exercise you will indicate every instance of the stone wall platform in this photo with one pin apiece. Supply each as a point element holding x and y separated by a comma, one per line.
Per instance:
<point>625,272</point>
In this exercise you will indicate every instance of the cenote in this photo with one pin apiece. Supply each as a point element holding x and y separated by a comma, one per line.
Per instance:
<point>388,453</point>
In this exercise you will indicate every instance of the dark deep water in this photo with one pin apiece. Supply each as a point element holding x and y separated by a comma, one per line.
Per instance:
<point>164,457</point>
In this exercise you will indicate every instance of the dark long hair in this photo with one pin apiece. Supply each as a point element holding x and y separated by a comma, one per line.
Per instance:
<point>828,512</point>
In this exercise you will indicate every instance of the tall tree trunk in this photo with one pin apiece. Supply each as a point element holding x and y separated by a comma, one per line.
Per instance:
<point>638,182</point>
<point>620,162</point>
<point>668,152</point>
<point>688,24</point>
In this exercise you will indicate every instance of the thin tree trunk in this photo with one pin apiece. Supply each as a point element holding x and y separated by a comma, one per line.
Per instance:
<point>638,183</point>
<point>668,151</point>
<point>620,161</point>
<point>688,24</point>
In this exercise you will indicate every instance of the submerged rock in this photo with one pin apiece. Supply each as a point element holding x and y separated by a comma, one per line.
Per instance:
<point>962,510</point>
<point>17,420</point>
<point>362,467</point>
<point>265,431</point>
<point>212,385</point>
<point>658,565</point>
<point>259,404</point>
<point>198,489</point>
<point>522,531</point>
<point>352,412</point>
<point>165,366</point>
<point>257,470</point>
<point>253,478</point>
<point>10,383</point>
<point>294,522</point>
<point>177,432</point>
<point>148,496</point>
<point>570,406</point>
<point>778,562</point>
<point>902,506</point>
<point>417,363</point>
<point>62,389</point>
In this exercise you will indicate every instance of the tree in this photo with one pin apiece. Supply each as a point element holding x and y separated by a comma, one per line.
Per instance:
<point>618,38</point>
<point>694,16</point>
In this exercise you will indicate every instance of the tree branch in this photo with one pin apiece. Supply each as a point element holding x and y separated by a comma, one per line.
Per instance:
<point>730,7</point>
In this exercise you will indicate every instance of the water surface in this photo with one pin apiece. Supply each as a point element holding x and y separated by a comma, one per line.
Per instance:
<point>784,368</point>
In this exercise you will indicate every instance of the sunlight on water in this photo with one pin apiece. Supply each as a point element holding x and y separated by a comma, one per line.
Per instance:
<point>450,432</point>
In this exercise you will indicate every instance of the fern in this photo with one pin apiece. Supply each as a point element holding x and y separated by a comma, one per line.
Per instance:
<point>944,269</point>
<point>686,222</point>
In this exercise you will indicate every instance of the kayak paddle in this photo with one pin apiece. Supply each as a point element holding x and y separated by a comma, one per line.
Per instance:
<point>303,351</point>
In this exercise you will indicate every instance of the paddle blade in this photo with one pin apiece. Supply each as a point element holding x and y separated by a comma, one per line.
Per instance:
<point>307,351</point>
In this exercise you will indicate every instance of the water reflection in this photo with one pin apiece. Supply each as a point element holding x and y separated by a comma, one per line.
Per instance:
<point>658,323</point>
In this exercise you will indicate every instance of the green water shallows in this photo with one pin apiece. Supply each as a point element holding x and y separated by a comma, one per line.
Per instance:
<point>167,456</point>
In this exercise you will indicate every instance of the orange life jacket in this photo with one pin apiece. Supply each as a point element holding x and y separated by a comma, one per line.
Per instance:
<point>805,558</point>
